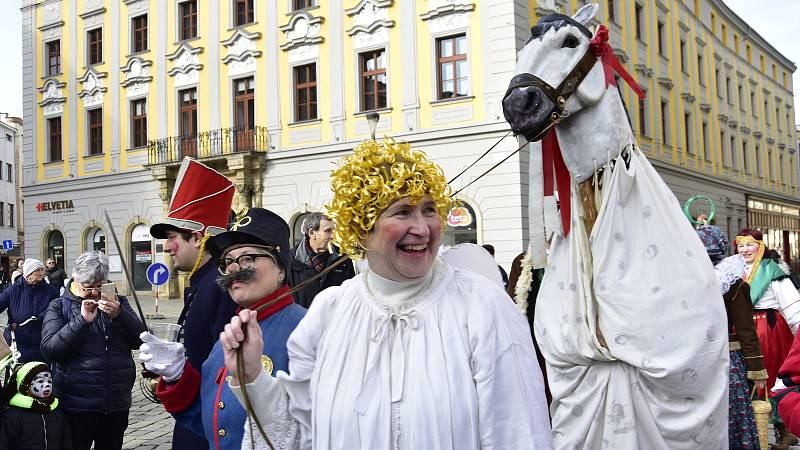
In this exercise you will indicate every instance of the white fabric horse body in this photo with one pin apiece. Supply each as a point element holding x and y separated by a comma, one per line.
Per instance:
<point>630,319</point>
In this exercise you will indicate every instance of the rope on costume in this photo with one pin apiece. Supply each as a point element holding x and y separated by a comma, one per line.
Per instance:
<point>199,260</point>
<point>240,357</point>
<point>490,169</point>
<point>479,158</point>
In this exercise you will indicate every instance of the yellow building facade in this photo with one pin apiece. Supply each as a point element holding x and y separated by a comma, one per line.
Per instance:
<point>719,115</point>
<point>273,93</point>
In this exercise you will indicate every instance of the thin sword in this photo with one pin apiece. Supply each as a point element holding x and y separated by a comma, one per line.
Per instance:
<point>125,269</point>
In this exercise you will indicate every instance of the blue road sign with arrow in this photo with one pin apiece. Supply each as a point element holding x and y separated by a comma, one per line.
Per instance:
<point>8,244</point>
<point>157,274</point>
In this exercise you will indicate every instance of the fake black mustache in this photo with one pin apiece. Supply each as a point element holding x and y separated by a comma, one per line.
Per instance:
<point>244,274</point>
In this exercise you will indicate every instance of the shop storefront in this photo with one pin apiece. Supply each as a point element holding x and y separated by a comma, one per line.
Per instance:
<point>66,218</point>
<point>141,256</point>
<point>780,224</point>
<point>461,227</point>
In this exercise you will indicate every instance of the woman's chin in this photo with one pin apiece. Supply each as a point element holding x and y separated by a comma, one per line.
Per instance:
<point>240,295</point>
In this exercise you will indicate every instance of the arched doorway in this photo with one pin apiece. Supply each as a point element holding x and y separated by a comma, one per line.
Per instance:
<point>141,256</point>
<point>96,240</point>
<point>297,233</point>
<point>461,226</point>
<point>55,247</point>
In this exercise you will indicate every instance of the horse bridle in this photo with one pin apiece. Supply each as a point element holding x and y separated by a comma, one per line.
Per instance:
<point>558,96</point>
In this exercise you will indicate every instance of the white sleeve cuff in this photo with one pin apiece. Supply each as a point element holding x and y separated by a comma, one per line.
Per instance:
<point>264,393</point>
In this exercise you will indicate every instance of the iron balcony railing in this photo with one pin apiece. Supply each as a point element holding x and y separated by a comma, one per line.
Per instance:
<point>218,142</point>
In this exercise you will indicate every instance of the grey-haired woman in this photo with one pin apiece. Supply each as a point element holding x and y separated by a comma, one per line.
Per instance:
<point>89,336</point>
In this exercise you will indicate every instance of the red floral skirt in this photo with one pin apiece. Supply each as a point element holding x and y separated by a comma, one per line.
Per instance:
<point>775,342</point>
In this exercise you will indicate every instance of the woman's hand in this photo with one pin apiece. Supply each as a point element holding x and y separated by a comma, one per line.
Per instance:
<point>233,337</point>
<point>109,304</point>
<point>89,310</point>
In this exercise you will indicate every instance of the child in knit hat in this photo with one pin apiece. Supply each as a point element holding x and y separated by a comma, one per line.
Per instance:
<point>31,420</point>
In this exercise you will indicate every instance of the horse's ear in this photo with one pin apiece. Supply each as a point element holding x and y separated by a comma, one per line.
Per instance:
<point>585,14</point>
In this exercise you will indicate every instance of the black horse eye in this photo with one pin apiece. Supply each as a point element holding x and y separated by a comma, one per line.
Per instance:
<point>570,41</point>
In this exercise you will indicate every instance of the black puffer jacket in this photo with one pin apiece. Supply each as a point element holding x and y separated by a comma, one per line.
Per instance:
<point>23,429</point>
<point>94,370</point>
<point>300,270</point>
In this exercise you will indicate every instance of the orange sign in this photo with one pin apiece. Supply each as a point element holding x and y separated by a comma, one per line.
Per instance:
<point>459,217</point>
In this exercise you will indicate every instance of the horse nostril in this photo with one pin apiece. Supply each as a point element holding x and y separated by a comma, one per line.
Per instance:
<point>522,100</point>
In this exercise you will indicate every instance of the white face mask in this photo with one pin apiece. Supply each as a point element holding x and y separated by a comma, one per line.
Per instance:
<point>42,385</point>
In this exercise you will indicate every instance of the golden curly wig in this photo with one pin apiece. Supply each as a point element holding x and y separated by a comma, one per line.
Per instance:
<point>376,175</point>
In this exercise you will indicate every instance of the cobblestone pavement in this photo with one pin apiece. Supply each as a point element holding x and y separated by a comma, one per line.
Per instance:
<point>149,426</point>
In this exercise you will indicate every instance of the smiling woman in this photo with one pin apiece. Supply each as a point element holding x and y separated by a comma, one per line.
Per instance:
<point>406,354</point>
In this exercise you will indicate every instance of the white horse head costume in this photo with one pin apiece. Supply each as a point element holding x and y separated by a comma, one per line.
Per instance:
<point>629,316</point>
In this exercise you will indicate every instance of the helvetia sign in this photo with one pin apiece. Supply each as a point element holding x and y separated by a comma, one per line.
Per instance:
<point>58,206</point>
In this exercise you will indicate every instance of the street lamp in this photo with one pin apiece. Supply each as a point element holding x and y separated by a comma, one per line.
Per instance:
<point>372,119</point>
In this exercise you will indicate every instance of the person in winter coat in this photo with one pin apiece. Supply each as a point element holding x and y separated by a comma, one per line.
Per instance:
<point>27,298</point>
<point>90,336</point>
<point>32,420</point>
<point>55,275</point>
<point>18,271</point>
<point>312,256</point>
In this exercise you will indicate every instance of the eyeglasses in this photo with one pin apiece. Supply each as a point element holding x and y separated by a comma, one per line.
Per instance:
<point>246,260</point>
<point>90,290</point>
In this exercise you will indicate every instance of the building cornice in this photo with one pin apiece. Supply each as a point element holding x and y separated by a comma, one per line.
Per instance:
<point>51,25</point>
<point>750,34</point>
<point>93,12</point>
<point>446,10</point>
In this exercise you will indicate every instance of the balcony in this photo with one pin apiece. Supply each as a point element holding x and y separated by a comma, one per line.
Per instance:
<point>208,144</point>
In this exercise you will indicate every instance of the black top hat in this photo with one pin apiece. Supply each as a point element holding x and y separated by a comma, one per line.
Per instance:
<point>253,227</point>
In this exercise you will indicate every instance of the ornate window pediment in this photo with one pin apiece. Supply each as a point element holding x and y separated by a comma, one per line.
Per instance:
<point>666,83</point>
<point>621,55</point>
<point>447,15</point>
<point>302,29</point>
<point>687,97</point>
<point>137,76</point>
<point>93,87</point>
<point>52,15</point>
<point>241,51</point>
<point>370,22</point>
<point>644,70</point>
<point>186,64</point>
<point>52,97</point>
<point>93,11</point>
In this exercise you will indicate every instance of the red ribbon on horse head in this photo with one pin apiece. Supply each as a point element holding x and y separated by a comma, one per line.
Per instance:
<point>611,64</point>
<point>551,153</point>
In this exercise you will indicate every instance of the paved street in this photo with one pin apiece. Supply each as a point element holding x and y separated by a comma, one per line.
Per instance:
<point>150,427</point>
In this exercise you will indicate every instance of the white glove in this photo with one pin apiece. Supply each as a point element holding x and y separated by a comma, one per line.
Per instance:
<point>162,357</point>
<point>779,386</point>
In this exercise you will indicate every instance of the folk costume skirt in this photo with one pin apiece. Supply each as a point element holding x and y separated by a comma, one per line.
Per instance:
<point>775,338</point>
<point>742,430</point>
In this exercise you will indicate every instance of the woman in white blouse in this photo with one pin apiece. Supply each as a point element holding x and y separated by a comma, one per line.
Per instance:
<point>411,354</point>
<point>776,311</point>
